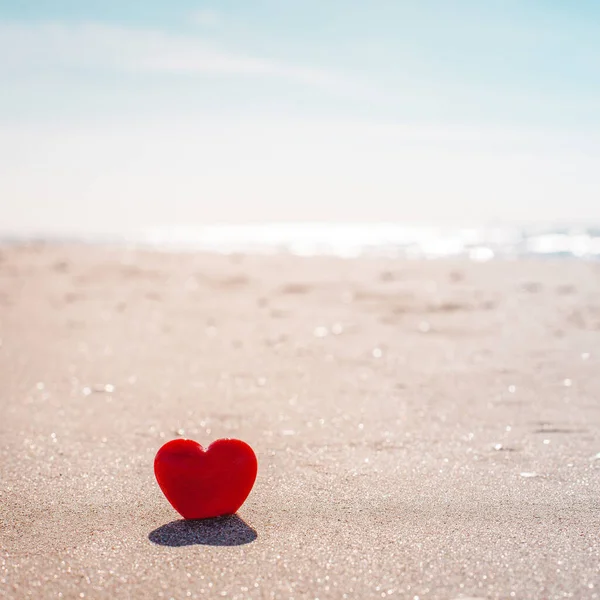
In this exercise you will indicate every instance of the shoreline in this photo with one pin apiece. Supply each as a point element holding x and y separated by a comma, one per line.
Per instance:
<point>379,240</point>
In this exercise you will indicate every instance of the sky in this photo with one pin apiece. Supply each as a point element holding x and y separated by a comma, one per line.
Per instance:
<point>118,115</point>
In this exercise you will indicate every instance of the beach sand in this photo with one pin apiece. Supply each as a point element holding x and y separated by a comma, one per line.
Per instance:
<point>423,429</point>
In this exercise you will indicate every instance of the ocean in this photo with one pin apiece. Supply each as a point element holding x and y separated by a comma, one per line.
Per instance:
<point>349,240</point>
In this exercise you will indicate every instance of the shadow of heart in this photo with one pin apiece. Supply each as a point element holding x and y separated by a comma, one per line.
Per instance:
<point>229,530</point>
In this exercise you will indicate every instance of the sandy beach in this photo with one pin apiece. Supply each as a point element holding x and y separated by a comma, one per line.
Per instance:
<point>424,430</point>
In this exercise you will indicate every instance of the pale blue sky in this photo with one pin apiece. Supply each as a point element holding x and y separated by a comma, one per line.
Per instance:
<point>322,109</point>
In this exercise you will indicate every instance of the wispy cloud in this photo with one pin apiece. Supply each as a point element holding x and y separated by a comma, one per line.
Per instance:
<point>206,17</point>
<point>47,46</point>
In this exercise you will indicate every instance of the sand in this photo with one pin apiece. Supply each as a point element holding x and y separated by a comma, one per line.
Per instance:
<point>423,429</point>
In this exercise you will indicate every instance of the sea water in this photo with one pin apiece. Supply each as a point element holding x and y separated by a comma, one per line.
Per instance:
<point>355,239</point>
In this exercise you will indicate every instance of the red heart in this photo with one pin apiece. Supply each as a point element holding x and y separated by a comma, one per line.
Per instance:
<point>200,483</point>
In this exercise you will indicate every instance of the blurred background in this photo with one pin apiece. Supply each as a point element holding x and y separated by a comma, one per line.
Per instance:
<point>117,117</point>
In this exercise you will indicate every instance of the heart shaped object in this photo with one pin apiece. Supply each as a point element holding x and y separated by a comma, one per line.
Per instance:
<point>201,483</point>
